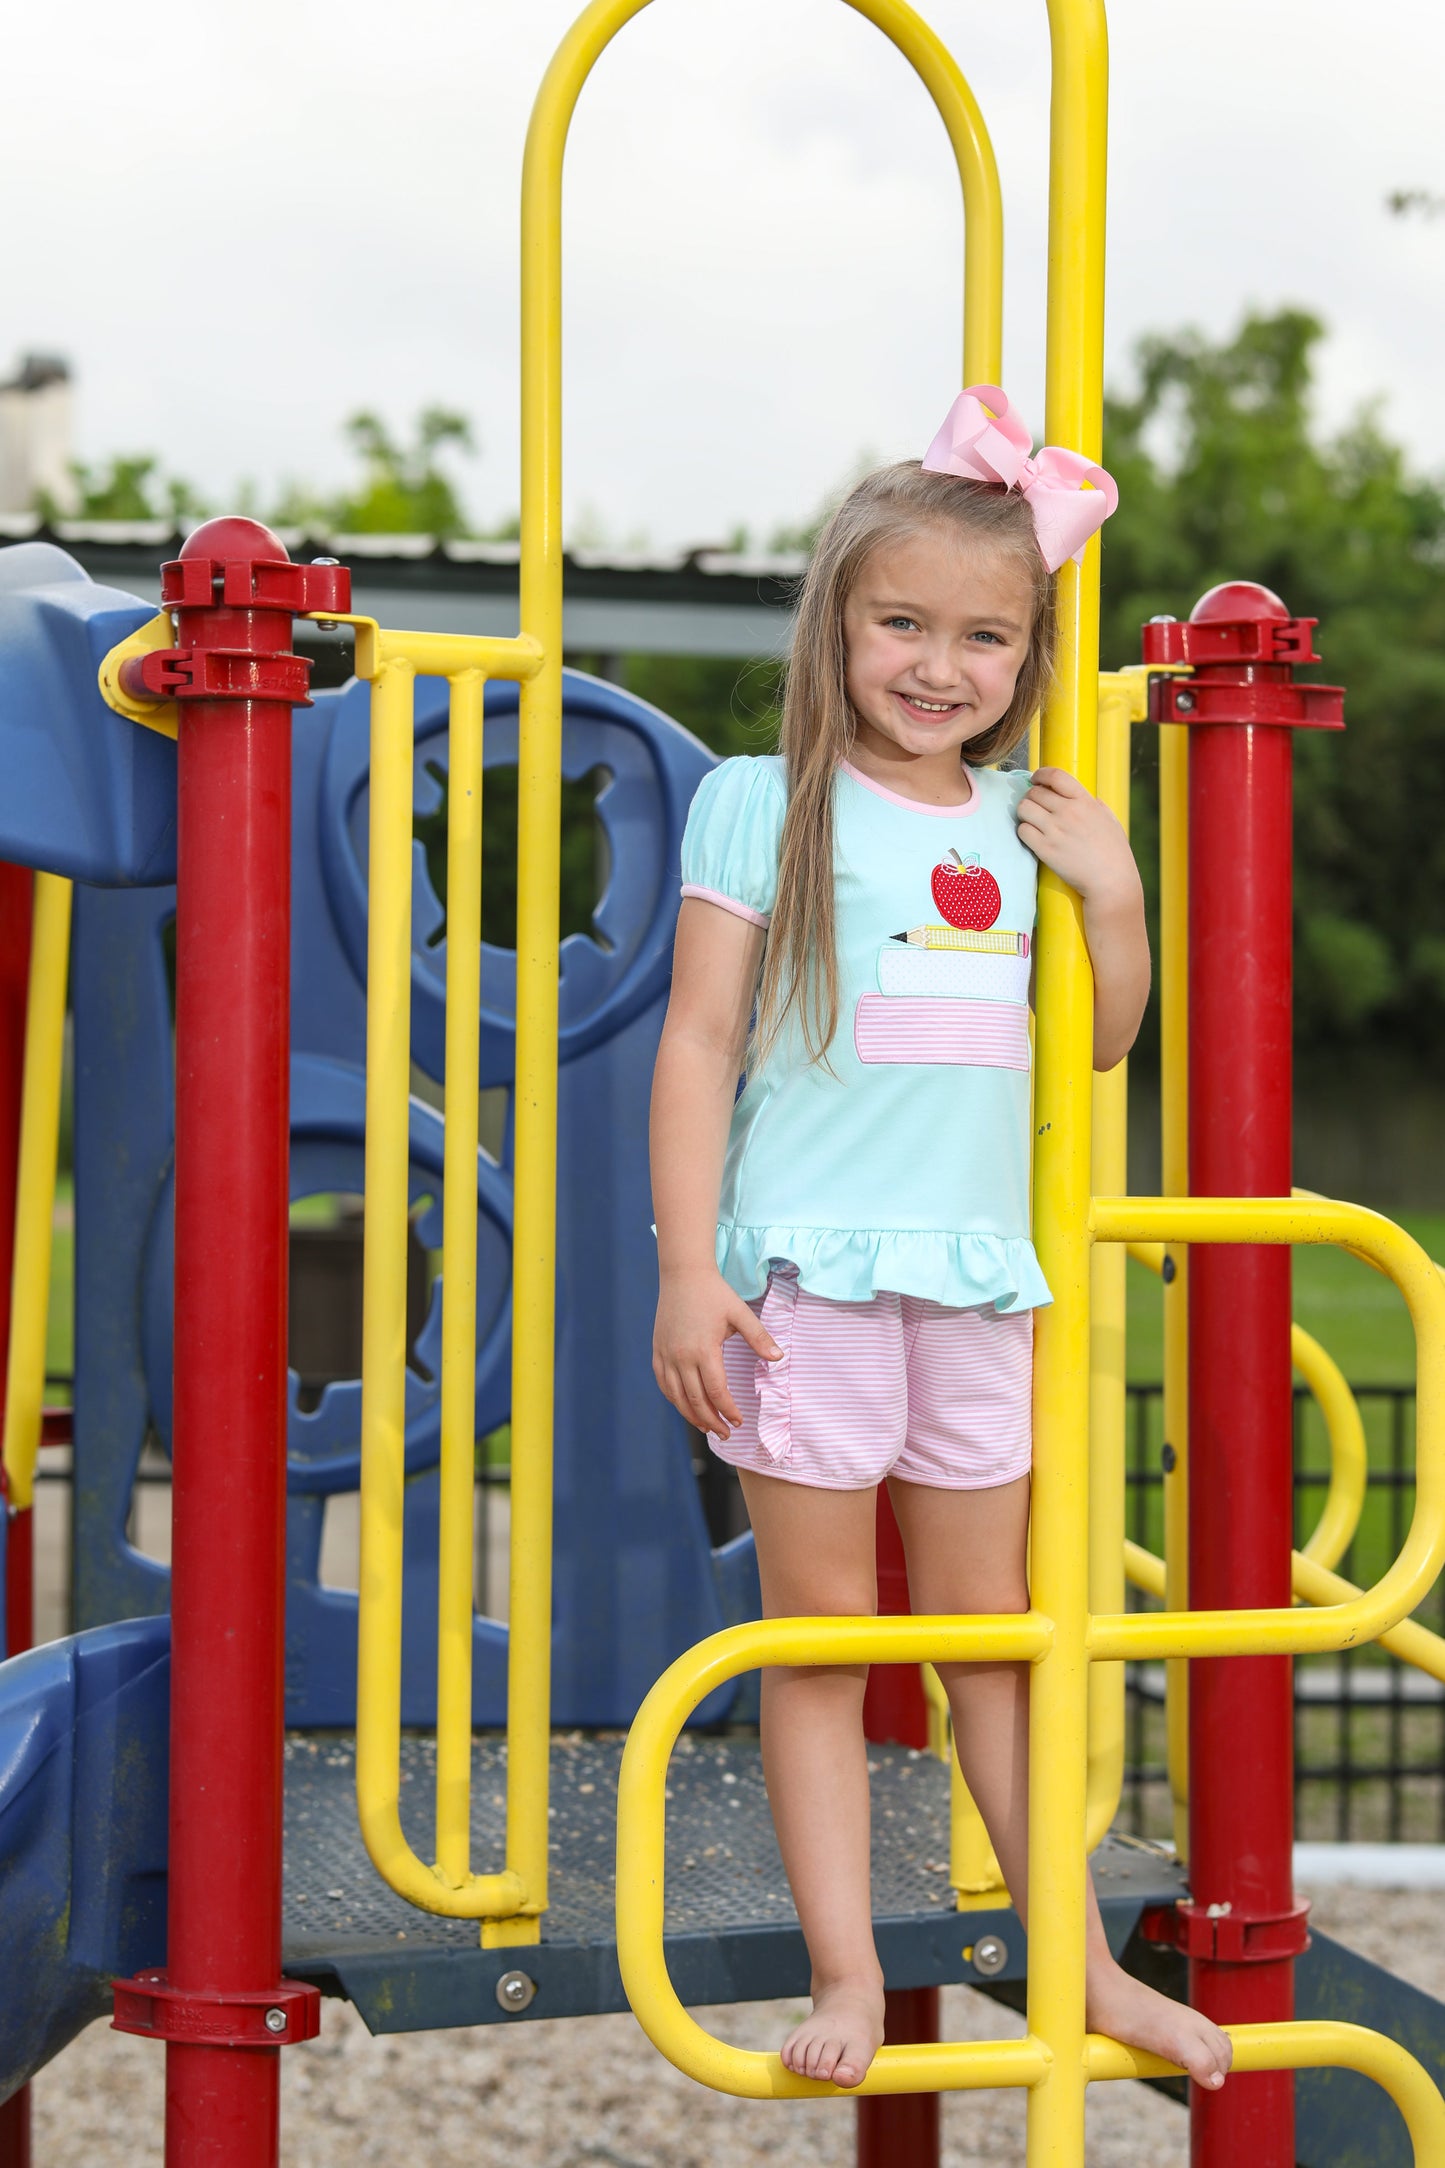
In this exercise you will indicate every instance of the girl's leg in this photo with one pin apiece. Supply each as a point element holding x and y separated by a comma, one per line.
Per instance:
<point>815,1559</point>
<point>966,1551</point>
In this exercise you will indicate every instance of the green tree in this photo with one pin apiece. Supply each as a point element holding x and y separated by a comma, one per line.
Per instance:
<point>128,486</point>
<point>1247,487</point>
<point>403,487</point>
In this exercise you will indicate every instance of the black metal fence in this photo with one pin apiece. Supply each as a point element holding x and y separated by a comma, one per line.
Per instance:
<point>1369,1730</point>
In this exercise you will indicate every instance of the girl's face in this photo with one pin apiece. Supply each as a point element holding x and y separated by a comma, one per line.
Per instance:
<point>936,631</point>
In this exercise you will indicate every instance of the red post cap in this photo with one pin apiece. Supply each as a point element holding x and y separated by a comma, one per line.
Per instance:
<point>1239,602</point>
<point>233,541</point>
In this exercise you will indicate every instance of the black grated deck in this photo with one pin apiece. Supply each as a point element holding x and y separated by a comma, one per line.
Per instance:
<point>732,1933</point>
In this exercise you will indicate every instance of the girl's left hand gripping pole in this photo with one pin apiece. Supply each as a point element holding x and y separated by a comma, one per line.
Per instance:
<point>221,2004</point>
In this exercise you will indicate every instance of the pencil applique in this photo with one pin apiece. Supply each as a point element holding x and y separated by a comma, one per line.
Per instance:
<point>995,941</point>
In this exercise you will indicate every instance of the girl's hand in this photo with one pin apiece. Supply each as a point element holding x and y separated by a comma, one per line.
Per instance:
<point>696,1312</point>
<point>1077,836</point>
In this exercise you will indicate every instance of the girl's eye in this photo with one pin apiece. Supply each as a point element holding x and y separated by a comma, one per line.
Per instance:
<point>910,624</point>
<point>993,636</point>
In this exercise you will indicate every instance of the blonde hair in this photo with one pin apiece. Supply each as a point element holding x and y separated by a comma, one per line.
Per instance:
<point>800,960</point>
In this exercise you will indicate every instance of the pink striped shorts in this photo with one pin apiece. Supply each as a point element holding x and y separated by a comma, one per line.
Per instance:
<point>894,1386</point>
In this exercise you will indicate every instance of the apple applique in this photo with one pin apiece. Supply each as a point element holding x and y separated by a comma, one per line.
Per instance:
<point>966,893</point>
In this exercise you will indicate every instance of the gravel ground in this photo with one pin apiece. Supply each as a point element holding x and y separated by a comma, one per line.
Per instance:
<point>568,2093</point>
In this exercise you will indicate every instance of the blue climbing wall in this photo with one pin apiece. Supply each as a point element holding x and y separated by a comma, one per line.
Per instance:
<point>92,795</point>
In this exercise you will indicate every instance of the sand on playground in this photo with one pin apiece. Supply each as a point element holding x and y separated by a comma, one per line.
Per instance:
<point>569,2093</point>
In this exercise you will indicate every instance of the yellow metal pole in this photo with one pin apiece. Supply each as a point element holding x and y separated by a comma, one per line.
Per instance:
<point>383,1330</point>
<point>459,1280</point>
<point>35,1187</point>
<point>1118,701</point>
<point>1058,1712</point>
<point>1174,1181</point>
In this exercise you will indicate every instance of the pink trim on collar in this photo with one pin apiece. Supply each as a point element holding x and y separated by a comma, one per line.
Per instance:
<point>913,805</point>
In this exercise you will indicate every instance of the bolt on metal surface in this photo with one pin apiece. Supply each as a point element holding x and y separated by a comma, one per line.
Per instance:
<point>515,1990</point>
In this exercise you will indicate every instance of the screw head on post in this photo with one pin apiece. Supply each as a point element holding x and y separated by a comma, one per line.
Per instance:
<point>275,2021</point>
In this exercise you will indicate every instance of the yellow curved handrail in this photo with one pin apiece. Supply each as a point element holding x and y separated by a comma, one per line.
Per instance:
<point>1312,1583</point>
<point>1409,1579</point>
<point>391,661</point>
<point>1349,1460</point>
<point>641,1849</point>
<point>539,752</point>
<point>35,1188</point>
<point>1309,2044</point>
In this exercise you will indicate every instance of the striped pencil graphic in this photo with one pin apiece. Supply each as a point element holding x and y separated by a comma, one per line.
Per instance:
<point>993,943</point>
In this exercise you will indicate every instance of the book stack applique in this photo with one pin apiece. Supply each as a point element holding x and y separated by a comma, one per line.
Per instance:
<point>954,990</point>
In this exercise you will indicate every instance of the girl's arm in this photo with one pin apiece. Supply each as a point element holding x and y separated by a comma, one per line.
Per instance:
<point>699,1059</point>
<point>1079,838</point>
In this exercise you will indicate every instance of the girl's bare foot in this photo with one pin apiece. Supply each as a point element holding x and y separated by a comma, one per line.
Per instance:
<point>1126,2010</point>
<point>841,2036</point>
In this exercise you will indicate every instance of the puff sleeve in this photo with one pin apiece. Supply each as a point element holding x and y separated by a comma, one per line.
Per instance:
<point>730,844</point>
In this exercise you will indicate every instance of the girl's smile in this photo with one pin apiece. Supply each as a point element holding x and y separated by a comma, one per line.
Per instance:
<point>927,710</point>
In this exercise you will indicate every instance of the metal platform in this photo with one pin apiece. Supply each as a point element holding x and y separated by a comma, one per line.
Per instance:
<point>732,1933</point>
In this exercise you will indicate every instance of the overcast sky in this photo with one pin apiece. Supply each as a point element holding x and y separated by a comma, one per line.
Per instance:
<point>241,225</point>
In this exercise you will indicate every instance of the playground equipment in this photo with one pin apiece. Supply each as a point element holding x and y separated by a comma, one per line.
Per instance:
<point>183,774</point>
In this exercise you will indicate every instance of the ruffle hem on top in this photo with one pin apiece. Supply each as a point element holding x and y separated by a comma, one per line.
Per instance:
<point>963,1271</point>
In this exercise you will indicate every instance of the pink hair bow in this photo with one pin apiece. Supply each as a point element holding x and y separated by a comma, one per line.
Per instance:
<point>983,440</point>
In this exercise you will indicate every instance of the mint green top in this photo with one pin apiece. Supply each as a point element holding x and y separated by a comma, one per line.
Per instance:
<point>908,1168</point>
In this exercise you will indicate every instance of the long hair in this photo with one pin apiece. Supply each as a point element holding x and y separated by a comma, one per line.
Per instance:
<point>800,960</point>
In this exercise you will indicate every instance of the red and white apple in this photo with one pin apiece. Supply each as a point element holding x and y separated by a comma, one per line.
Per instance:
<point>966,893</point>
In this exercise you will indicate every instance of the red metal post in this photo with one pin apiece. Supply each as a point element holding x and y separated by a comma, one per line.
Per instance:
<point>898,2130</point>
<point>17,885</point>
<point>221,2002</point>
<point>1242,1928</point>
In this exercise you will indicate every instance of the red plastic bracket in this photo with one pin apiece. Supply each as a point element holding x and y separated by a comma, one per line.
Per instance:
<point>1226,1934</point>
<point>196,583</point>
<point>1200,642</point>
<point>1244,697</point>
<point>269,2017</point>
<point>217,673</point>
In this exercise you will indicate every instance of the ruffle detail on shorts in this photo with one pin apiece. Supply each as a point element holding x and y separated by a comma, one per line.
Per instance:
<point>771,1380</point>
<point>965,1271</point>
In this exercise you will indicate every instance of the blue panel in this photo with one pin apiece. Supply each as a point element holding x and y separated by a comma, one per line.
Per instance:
<point>83,1775</point>
<point>635,1581</point>
<point>86,792</point>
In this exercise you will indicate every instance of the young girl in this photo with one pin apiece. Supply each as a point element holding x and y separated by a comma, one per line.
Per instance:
<point>847,1280</point>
